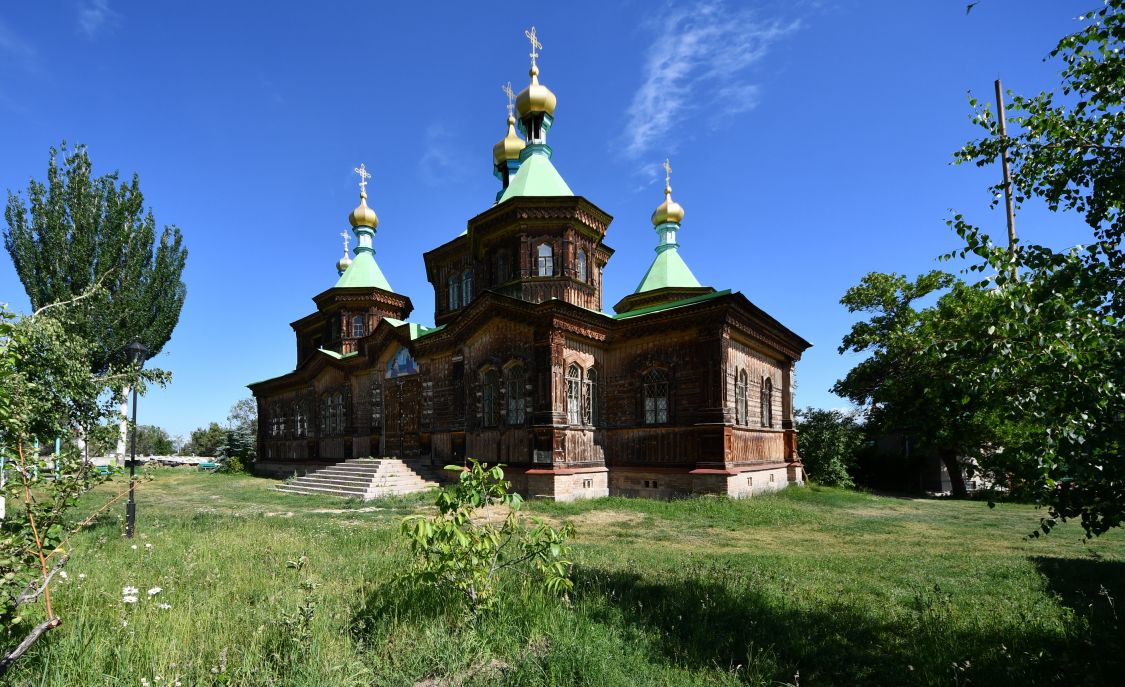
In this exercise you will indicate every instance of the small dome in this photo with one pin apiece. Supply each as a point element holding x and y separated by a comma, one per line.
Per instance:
<point>669,210</point>
<point>536,97</point>
<point>363,216</point>
<point>342,263</point>
<point>510,146</point>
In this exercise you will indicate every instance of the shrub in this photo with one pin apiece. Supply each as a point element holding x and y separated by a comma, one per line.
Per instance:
<point>455,551</point>
<point>829,441</point>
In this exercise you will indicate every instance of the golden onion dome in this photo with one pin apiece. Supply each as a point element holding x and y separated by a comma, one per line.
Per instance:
<point>510,146</point>
<point>363,216</point>
<point>342,263</point>
<point>536,97</point>
<point>669,210</point>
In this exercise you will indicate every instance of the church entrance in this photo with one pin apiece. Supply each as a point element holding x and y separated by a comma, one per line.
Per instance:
<point>403,412</point>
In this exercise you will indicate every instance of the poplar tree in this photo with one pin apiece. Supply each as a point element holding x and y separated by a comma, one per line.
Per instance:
<point>91,236</point>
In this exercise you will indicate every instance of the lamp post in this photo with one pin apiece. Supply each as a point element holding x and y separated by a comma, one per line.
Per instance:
<point>136,352</point>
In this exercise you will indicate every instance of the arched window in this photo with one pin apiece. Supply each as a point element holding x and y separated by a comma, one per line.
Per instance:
<point>741,406</point>
<point>573,394</point>
<point>546,267</point>
<point>655,385</point>
<point>590,399</point>
<point>466,287</point>
<point>454,292</point>
<point>580,265</point>
<point>767,402</point>
<point>489,395</point>
<point>517,395</point>
<point>359,323</point>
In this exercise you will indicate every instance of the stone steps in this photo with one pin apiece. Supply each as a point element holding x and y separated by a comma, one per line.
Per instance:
<point>367,478</point>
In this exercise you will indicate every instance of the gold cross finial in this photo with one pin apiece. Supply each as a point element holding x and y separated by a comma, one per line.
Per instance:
<point>507,88</point>
<point>667,175</point>
<point>535,44</point>
<point>346,237</point>
<point>364,175</point>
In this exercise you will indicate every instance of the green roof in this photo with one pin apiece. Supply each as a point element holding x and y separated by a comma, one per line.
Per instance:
<point>364,272</point>
<point>536,177</point>
<point>337,356</point>
<point>669,306</point>
<point>416,330</point>
<point>668,270</point>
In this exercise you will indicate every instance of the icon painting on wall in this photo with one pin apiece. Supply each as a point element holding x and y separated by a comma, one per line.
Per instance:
<point>402,363</point>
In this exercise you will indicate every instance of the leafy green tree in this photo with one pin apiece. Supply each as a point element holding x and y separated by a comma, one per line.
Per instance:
<point>80,234</point>
<point>829,443</point>
<point>206,441</point>
<point>457,551</point>
<point>153,441</point>
<point>1056,336</point>
<point>47,389</point>
<point>910,382</point>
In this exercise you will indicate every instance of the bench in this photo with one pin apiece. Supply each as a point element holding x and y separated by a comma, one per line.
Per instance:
<point>208,465</point>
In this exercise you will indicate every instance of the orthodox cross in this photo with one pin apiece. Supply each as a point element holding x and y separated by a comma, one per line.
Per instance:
<point>535,44</point>
<point>667,172</point>
<point>507,88</point>
<point>364,175</point>
<point>344,234</point>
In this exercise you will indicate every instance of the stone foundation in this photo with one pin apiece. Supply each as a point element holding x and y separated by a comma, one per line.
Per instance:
<point>666,483</point>
<point>560,484</point>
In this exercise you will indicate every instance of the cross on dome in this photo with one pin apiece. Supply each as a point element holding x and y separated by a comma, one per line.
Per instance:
<point>507,88</point>
<point>347,237</point>
<point>535,44</point>
<point>364,175</point>
<point>667,174</point>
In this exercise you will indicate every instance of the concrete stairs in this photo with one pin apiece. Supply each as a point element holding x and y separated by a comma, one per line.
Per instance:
<point>367,478</point>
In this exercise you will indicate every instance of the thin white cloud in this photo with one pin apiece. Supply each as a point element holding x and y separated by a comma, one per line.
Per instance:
<point>441,163</point>
<point>698,62</point>
<point>94,15</point>
<point>16,49</point>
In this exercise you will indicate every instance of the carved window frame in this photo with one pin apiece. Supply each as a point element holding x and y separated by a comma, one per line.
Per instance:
<point>515,385</point>
<point>742,399</point>
<point>359,326</point>
<point>767,402</point>
<point>591,414</point>
<point>490,397</point>
<point>580,266</point>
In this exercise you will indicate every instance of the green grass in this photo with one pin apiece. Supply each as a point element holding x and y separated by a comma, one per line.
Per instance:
<point>840,587</point>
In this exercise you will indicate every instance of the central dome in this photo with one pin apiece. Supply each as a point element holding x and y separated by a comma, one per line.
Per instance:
<point>536,97</point>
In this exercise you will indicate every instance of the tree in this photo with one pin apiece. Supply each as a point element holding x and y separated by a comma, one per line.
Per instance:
<point>206,441</point>
<point>1056,337</point>
<point>244,415</point>
<point>47,389</point>
<point>78,232</point>
<point>153,441</point>
<point>910,383</point>
<point>830,442</point>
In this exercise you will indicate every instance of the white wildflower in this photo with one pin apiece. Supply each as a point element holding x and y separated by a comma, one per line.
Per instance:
<point>129,599</point>
<point>63,575</point>
<point>164,607</point>
<point>81,576</point>
<point>148,546</point>
<point>133,547</point>
<point>154,591</point>
<point>129,591</point>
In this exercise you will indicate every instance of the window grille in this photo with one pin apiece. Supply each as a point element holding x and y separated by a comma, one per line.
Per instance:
<point>490,389</point>
<point>573,394</point>
<point>656,397</point>
<point>767,402</point>
<point>517,396</point>
<point>466,287</point>
<point>741,405</point>
<point>590,399</point>
<point>359,324</point>
<point>580,267</point>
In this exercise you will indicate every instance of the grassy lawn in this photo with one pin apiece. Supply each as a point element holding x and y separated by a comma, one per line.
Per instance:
<point>837,587</point>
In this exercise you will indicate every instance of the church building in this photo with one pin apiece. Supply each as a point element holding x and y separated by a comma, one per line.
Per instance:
<point>683,389</point>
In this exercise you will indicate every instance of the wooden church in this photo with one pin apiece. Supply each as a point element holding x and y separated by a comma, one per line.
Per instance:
<point>684,389</point>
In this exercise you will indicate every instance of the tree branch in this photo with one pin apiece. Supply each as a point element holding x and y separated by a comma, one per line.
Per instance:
<point>31,638</point>
<point>29,592</point>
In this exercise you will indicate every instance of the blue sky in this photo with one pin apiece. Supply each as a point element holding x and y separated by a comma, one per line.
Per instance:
<point>810,143</point>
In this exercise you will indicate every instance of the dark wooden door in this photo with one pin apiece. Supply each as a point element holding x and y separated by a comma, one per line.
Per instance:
<point>403,415</point>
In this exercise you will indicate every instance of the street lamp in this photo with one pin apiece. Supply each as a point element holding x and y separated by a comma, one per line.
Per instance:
<point>136,352</point>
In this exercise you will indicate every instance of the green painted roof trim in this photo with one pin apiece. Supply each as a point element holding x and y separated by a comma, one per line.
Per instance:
<point>417,331</point>
<point>674,304</point>
<point>364,272</point>
<point>668,270</point>
<point>536,177</point>
<point>337,356</point>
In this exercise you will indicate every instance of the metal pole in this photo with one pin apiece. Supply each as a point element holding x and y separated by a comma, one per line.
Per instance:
<point>1008,206</point>
<point>131,507</point>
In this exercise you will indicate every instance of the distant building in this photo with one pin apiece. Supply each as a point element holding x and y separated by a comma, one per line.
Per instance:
<point>685,389</point>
